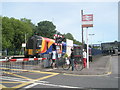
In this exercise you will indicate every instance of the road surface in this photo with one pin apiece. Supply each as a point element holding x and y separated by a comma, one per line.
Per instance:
<point>40,79</point>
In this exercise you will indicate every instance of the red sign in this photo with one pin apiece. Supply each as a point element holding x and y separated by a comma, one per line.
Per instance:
<point>87,20</point>
<point>87,17</point>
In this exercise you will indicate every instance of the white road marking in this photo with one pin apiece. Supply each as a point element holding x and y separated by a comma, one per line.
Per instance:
<point>32,85</point>
<point>46,84</point>
<point>14,79</point>
<point>49,70</point>
<point>116,77</point>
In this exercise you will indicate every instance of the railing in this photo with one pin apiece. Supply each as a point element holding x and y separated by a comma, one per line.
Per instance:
<point>20,65</point>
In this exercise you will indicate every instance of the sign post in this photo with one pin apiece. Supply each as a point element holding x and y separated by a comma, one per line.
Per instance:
<point>87,21</point>
<point>82,36</point>
<point>87,47</point>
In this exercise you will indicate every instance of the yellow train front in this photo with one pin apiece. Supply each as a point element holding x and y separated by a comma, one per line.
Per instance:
<point>37,45</point>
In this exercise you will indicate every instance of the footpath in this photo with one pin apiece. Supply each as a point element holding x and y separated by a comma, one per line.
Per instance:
<point>101,65</point>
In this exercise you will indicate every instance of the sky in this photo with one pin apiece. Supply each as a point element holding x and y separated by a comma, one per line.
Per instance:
<point>67,17</point>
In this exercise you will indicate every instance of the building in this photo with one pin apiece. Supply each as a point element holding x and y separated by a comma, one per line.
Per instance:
<point>111,47</point>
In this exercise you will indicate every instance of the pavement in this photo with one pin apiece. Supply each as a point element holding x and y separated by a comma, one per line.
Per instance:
<point>100,65</point>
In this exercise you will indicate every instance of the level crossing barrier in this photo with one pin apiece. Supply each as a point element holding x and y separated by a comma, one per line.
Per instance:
<point>20,65</point>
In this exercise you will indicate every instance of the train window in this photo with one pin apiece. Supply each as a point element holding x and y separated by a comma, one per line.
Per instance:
<point>39,43</point>
<point>30,43</point>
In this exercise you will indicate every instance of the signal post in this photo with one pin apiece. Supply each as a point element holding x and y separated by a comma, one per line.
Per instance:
<point>87,21</point>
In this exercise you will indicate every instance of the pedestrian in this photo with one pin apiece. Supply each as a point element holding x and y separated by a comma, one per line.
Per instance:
<point>84,58</point>
<point>54,56</point>
<point>72,58</point>
<point>90,54</point>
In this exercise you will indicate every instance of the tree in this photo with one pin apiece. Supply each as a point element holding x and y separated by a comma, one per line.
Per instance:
<point>46,29</point>
<point>7,33</point>
<point>77,42</point>
<point>69,36</point>
<point>29,23</point>
<point>13,33</point>
<point>20,29</point>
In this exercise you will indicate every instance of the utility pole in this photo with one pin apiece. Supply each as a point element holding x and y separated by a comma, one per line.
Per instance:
<point>87,47</point>
<point>82,35</point>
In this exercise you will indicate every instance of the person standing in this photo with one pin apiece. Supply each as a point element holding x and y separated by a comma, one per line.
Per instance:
<point>84,58</point>
<point>54,58</point>
<point>72,59</point>
<point>90,54</point>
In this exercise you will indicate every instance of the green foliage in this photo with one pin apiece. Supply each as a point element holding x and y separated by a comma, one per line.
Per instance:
<point>70,36</point>
<point>15,30</point>
<point>29,23</point>
<point>46,29</point>
<point>13,33</point>
<point>77,42</point>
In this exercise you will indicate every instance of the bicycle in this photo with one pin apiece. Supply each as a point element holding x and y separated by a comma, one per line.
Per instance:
<point>78,64</point>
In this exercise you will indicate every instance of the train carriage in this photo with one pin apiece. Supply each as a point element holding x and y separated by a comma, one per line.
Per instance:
<point>37,45</point>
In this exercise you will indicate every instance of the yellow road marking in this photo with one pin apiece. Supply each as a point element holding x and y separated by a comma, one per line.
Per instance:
<point>46,77</point>
<point>14,69</point>
<point>12,82</point>
<point>21,85</point>
<point>19,76</point>
<point>44,72</point>
<point>31,71</point>
<point>88,75</point>
<point>26,83</point>
<point>31,80</point>
<point>2,86</point>
<point>109,73</point>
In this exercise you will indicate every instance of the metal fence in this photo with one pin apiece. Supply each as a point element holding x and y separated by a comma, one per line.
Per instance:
<point>96,52</point>
<point>12,66</point>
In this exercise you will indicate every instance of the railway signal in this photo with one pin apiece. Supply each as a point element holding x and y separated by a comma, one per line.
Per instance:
<point>58,38</point>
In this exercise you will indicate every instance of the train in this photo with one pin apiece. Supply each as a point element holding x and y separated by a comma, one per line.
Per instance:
<point>37,46</point>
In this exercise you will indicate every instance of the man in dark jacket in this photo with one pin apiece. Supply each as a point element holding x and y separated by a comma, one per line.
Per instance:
<point>72,59</point>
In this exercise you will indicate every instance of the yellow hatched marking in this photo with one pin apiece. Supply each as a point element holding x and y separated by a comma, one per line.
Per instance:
<point>21,85</point>
<point>18,76</point>
<point>31,80</point>
<point>2,86</point>
<point>46,77</point>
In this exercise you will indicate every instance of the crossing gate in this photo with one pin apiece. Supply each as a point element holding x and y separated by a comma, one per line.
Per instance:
<point>19,65</point>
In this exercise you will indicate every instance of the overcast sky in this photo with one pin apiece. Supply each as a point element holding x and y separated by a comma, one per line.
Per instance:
<point>67,17</point>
